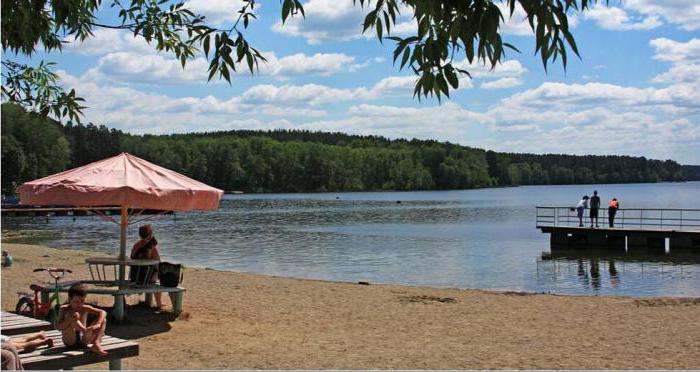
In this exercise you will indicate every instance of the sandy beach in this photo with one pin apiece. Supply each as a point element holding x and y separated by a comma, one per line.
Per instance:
<point>236,320</point>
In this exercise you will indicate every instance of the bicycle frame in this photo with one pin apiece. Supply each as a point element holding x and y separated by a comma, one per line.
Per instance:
<point>42,309</point>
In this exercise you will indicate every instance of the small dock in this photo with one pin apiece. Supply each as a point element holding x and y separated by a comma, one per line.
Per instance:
<point>644,230</point>
<point>29,211</point>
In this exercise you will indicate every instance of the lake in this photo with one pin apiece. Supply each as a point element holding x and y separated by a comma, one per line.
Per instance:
<point>482,239</point>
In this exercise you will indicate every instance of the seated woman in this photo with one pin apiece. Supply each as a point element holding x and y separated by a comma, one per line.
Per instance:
<point>146,248</point>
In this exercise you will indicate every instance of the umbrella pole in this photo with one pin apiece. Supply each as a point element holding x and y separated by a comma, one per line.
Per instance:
<point>119,299</point>
<point>122,244</point>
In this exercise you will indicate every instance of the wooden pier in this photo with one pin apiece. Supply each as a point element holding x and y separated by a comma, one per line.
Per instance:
<point>643,230</point>
<point>71,211</point>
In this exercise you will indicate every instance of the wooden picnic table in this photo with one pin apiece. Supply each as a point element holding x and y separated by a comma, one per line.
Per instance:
<point>101,278</point>
<point>13,324</point>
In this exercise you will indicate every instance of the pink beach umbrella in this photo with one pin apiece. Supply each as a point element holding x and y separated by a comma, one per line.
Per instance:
<point>125,181</point>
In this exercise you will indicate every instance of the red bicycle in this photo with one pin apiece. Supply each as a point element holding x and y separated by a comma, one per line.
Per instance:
<point>31,305</point>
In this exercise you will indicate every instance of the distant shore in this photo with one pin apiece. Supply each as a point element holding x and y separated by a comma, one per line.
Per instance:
<point>235,320</point>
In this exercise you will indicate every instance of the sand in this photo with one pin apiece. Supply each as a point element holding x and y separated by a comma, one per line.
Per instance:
<point>236,320</point>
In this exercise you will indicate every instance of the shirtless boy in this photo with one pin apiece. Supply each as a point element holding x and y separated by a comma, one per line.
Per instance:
<point>72,322</point>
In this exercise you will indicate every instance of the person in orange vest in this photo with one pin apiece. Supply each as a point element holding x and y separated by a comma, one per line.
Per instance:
<point>612,210</point>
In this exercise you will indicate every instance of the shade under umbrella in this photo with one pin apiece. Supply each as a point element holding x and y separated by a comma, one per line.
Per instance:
<point>124,180</point>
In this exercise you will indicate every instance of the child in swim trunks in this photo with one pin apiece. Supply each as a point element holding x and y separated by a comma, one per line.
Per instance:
<point>72,322</point>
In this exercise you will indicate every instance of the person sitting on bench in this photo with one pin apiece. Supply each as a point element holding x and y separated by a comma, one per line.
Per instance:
<point>72,322</point>
<point>146,248</point>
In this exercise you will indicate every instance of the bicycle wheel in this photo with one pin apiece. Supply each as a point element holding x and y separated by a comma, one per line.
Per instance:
<point>25,306</point>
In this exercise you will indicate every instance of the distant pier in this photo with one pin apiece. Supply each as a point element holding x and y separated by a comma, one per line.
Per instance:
<point>28,211</point>
<point>636,230</point>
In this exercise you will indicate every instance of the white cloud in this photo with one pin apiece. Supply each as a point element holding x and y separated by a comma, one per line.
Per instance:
<point>149,69</point>
<point>676,51</point>
<point>338,20</point>
<point>684,58</point>
<point>325,20</point>
<point>323,64</point>
<point>218,12</point>
<point>600,118</point>
<point>502,83</point>
<point>509,68</point>
<point>106,41</point>
<point>141,112</point>
<point>679,74</point>
<point>518,25</point>
<point>614,18</point>
<point>311,94</point>
<point>124,59</point>
<point>595,94</point>
<point>684,13</point>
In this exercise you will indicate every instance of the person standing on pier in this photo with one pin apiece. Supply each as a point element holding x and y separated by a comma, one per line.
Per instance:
<point>595,206</point>
<point>612,210</point>
<point>582,204</point>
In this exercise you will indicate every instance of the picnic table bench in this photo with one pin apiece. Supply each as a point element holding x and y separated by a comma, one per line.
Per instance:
<point>176,294</point>
<point>13,324</point>
<point>59,357</point>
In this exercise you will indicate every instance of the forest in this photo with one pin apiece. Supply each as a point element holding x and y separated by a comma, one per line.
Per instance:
<point>303,161</point>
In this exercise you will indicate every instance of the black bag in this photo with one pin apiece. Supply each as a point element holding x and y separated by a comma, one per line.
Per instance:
<point>170,274</point>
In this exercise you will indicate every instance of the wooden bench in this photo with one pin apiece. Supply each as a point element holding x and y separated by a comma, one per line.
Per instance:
<point>13,324</point>
<point>58,357</point>
<point>176,295</point>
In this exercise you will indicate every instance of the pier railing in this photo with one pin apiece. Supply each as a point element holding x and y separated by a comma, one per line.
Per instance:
<point>638,218</point>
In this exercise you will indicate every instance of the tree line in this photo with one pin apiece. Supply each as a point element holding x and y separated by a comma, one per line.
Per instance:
<point>297,161</point>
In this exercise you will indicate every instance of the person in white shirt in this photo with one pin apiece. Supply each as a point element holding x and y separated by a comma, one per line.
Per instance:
<point>582,204</point>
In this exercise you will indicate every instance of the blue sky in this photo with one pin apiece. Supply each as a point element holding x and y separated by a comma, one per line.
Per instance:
<point>636,90</point>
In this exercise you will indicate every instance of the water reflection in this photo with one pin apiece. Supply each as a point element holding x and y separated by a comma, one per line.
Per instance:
<point>599,269</point>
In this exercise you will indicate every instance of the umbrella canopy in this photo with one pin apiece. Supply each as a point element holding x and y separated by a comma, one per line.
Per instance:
<point>124,180</point>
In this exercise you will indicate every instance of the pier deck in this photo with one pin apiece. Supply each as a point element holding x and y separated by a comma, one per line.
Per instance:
<point>634,228</point>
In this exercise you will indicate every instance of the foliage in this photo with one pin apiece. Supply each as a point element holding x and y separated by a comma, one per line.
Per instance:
<point>445,29</point>
<point>32,147</point>
<point>296,161</point>
<point>37,88</point>
<point>471,28</point>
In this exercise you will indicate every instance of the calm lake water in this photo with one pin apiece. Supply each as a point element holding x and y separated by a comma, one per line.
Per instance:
<point>468,239</point>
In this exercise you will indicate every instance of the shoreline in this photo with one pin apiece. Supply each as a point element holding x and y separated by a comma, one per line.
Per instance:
<point>235,320</point>
<point>10,241</point>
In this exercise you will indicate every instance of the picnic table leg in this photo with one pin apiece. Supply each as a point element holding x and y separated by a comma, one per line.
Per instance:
<point>149,299</point>
<point>115,364</point>
<point>118,310</point>
<point>176,299</point>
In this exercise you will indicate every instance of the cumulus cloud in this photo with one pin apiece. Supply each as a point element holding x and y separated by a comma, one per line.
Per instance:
<point>680,74</point>
<point>122,58</point>
<point>325,20</point>
<point>614,18</point>
<point>218,12</point>
<point>502,83</point>
<point>683,13</point>
<point>338,20</point>
<point>684,58</point>
<point>509,68</point>
<point>676,51</point>
<point>106,41</point>
<point>323,64</point>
